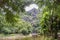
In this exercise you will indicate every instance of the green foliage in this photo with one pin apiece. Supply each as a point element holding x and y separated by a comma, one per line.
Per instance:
<point>44,23</point>
<point>12,23</point>
<point>50,20</point>
<point>18,27</point>
<point>10,6</point>
<point>25,28</point>
<point>10,17</point>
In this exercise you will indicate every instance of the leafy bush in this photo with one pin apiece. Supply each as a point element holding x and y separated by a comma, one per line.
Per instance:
<point>25,27</point>
<point>15,27</point>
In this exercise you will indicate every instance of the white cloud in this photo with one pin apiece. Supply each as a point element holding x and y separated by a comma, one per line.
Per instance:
<point>30,7</point>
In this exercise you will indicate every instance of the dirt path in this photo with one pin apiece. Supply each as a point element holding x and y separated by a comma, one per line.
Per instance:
<point>12,37</point>
<point>15,37</point>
